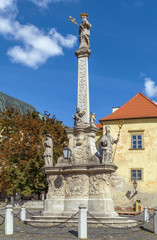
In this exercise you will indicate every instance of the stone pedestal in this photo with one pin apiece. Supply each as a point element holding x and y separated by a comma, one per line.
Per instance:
<point>71,186</point>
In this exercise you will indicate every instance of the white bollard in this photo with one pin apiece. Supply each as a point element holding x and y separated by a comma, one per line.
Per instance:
<point>12,201</point>
<point>82,222</point>
<point>23,214</point>
<point>145,215</point>
<point>43,196</point>
<point>9,220</point>
<point>155,221</point>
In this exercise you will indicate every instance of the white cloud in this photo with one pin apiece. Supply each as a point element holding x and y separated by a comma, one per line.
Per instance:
<point>150,87</point>
<point>131,4</point>
<point>45,3</point>
<point>37,46</point>
<point>5,26</point>
<point>4,4</point>
<point>65,42</point>
<point>8,8</point>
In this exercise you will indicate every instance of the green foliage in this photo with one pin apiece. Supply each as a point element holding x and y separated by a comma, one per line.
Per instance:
<point>21,150</point>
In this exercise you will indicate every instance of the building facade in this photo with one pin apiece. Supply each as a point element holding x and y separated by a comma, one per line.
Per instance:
<point>135,154</point>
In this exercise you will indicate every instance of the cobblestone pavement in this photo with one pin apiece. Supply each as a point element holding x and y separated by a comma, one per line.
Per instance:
<point>25,232</point>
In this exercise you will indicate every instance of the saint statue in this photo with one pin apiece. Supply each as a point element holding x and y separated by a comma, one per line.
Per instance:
<point>84,31</point>
<point>106,143</point>
<point>93,119</point>
<point>48,154</point>
<point>78,117</point>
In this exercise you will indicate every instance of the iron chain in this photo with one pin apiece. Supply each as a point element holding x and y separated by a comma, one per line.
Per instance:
<point>118,228</point>
<point>17,216</point>
<point>59,224</point>
<point>2,220</point>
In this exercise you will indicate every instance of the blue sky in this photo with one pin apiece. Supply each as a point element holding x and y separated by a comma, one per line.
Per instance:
<point>37,46</point>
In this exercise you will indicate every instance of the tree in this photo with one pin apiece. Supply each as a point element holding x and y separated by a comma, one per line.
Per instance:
<point>21,150</point>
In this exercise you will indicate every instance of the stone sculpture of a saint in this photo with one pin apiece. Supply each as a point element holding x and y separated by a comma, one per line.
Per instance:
<point>106,143</point>
<point>84,31</point>
<point>78,121</point>
<point>48,154</point>
<point>93,119</point>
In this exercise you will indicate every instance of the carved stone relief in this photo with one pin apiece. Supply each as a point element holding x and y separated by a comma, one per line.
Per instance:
<point>57,186</point>
<point>76,185</point>
<point>82,94</point>
<point>94,184</point>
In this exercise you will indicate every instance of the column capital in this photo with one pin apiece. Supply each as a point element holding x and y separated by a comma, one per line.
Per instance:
<point>83,52</point>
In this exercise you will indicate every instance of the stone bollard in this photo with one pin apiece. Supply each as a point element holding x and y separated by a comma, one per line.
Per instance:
<point>12,201</point>
<point>155,221</point>
<point>82,222</point>
<point>43,196</point>
<point>145,215</point>
<point>9,220</point>
<point>23,214</point>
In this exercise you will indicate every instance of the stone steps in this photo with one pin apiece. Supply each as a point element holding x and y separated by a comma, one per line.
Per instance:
<point>54,220</point>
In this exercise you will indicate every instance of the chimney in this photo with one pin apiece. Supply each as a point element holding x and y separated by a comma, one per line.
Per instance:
<point>114,109</point>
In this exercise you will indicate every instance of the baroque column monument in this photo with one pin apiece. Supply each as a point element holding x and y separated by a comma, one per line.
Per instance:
<point>84,178</point>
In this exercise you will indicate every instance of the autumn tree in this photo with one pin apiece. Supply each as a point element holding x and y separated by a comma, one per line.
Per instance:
<point>21,150</point>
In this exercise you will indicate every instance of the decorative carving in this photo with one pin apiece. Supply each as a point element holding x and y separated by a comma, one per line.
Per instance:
<point>106,144</point>
<point>82,88</point>
<point>78,118</point>
<point>48,154</point>
<point>79,153</point>
<point>94,185</point>
<point>77,185</point>
<point>57,186</point>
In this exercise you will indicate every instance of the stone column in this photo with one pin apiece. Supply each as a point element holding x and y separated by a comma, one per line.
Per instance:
<point>83,83</point>
<point>83,54</point>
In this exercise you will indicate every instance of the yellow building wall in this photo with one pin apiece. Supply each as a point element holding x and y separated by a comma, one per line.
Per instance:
<point>126,159</point>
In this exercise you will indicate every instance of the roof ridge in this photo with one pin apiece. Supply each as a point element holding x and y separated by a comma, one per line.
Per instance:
<point>131,101</point>
<point>148,99</point>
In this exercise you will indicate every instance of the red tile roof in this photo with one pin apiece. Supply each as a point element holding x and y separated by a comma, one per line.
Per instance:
<point>137,107</point>
<point>99,125</point>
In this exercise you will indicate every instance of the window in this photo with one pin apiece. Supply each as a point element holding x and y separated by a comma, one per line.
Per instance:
<point>136,141</point>
<point>136,174</point>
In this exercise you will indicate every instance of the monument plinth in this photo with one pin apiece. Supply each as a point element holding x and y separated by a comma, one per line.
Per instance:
<point>84,178</point>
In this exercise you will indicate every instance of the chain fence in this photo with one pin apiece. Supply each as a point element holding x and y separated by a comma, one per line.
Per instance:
<point>34,228</point>
<point>31,214</point>
<point>58,225</point>
<point>137,227</point>
<point>17,215</point>
<point>3,219</point>
<point>151,215</point>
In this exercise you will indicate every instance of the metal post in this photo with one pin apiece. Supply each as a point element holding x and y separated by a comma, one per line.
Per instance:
<point>145,215</point>
<point>155,221</point>
<point>9,220</point>
<point>136,206</point>
<point>82,222</point>
<point>23,214</point>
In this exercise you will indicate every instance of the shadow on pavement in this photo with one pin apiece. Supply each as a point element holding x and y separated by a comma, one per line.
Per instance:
<point>146,229</point>
<point>75,233</point>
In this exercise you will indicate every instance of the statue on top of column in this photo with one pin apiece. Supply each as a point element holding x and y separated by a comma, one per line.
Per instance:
<point>84,31</point>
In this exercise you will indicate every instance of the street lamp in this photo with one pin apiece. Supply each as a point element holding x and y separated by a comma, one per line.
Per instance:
<point>135,184</point>
<point>66,153</point>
